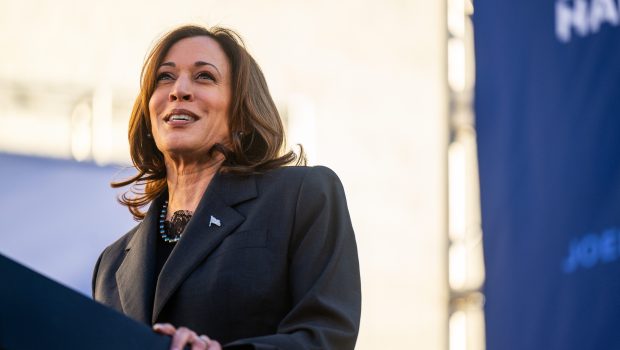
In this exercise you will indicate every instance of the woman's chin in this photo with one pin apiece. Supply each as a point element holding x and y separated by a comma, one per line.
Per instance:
<point>185,151</point>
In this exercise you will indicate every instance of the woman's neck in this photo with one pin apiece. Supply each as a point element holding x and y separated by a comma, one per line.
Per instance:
<point>187,182</point>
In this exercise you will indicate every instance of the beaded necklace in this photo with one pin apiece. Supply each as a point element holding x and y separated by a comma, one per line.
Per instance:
<point>171,231</point>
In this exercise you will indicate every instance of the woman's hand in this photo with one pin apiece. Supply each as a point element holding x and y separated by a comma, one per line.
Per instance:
<point>185,336</point>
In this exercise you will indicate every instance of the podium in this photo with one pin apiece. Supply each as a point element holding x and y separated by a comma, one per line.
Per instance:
<point>38,313</point>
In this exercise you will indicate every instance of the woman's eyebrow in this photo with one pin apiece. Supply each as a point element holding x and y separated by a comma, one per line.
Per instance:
<point>203,63</point>
<point>197,64</point>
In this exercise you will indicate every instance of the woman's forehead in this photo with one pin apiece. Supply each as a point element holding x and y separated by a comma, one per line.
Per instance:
<point>194,49</point>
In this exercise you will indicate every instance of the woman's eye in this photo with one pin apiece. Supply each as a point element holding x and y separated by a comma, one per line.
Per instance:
<point>205,75</point>
<point>164,76</point>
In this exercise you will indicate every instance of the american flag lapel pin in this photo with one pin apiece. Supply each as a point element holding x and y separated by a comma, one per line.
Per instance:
<point>214,221</point>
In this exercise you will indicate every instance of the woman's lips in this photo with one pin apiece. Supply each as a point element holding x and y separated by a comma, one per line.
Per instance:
<point>180,117</point>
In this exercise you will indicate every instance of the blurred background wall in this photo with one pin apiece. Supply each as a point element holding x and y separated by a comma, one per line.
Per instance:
<point>363,85</point>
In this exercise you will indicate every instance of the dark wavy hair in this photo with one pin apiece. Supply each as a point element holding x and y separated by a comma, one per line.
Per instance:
<point>256,133</point>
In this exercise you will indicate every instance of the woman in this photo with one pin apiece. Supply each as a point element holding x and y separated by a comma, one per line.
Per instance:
<point>236,248</point>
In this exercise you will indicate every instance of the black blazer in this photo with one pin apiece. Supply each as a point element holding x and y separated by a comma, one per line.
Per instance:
<point>280,272</point>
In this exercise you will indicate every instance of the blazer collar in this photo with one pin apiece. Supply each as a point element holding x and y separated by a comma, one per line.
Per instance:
<point>202,235</point>
<point>135,277</point>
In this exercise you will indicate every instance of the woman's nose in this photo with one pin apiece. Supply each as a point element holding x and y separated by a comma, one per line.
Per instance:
<point>181,91</point>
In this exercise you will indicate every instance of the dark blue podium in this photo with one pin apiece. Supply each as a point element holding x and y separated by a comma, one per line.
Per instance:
<point>38,313</point>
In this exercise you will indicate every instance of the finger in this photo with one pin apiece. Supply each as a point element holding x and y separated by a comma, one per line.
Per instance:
<point>214,345</point>
<point>182,337</point>
<point>200,343</point>
<point>164,328</point>
<point>206,339</point>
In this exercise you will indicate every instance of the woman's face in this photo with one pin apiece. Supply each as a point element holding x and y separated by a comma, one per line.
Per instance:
<point>189,107</point>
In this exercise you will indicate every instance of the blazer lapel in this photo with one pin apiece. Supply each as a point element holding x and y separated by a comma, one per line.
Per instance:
<point>213,220</point>
<point>135,277</point>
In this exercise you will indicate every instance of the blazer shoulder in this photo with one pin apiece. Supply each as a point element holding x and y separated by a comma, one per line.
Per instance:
<point>123,242</point>
<point>300,174</point>
<point>110,258</point>
<point>117,248</point>
<point>308,184</point>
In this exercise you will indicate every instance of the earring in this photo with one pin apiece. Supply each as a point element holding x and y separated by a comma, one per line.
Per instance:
<point>149,135</point>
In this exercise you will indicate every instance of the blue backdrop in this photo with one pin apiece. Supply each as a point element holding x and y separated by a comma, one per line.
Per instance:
<point>548,118</point>
<point>56,216</point>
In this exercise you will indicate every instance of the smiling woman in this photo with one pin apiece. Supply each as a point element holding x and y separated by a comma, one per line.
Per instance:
<point>255,137</point>
<point>235,246</point>
<point>189,107</point>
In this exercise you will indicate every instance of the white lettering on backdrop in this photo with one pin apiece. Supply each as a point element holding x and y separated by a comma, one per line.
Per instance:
<point>583,17</point>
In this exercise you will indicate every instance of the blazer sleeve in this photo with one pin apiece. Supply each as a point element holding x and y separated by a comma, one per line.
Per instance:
<point>95,272</point>
<point>324,273</point>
